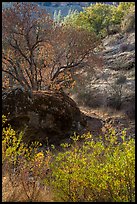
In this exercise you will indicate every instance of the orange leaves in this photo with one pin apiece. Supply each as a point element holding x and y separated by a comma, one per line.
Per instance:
<point>64,80</point>
<point>40,51</point>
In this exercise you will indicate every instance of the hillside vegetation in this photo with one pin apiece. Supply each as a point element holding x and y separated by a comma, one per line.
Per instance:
<point>68,115</point>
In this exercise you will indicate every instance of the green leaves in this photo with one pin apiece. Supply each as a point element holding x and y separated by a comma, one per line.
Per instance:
<point>83,170</point>
<point>99,17</point>
<point>104,171</point>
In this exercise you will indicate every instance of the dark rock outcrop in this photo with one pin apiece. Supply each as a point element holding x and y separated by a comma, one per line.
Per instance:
<point>41,115</point>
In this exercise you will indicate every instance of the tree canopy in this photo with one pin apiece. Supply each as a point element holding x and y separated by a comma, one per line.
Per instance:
<point>99,17</point>
<point>36,52</point>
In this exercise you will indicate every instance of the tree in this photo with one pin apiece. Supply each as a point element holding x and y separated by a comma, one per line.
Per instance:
<point>120,11</point>
<point>37,53</point>
<point>94,18</point>
<point>100,17</point>
<point>23,33</point>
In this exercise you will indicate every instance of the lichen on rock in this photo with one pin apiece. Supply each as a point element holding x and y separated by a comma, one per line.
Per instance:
<point>43,114</point>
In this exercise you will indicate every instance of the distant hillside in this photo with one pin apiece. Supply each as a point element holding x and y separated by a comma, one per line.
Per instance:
<point>64,7</point>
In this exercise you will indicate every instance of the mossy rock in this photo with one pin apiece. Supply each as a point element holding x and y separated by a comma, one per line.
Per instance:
<point>42,114</point>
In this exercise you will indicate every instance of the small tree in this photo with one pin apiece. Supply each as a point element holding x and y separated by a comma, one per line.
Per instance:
<point>115,91</point>
<point>120,11</point>
<point>94,18</point>
<point>100,17</point>
<point>57,17</point>
<point>24,27</point>
<point>37,53</point>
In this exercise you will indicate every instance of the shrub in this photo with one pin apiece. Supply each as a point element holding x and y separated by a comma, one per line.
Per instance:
<point>121,79</point>
<point>91,98</point>
<point>128,107</point>
<point>128,23</point>
<point>23,167</point>
<point>85,170</point>
<point>115,90</point>
<point>114,102</point>
<point>95,171</point>
<point>124,47</point>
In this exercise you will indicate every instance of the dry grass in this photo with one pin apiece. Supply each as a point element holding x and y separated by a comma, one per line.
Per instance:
<point>102,113</point>
<point>13,191</point>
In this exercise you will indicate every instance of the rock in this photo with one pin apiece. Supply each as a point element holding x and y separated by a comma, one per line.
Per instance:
<point>94,125</point>
<point>15,101</point>
<point>119,53</point>
<point>44,114</point>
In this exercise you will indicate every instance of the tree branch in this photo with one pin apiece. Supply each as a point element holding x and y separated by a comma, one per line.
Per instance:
<point>68,66</point>
<point>8,72</point>
<point>17,77</point>
<point>16,47</point>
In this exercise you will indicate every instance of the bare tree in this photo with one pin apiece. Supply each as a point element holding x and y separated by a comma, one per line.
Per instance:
<point>36,53</point>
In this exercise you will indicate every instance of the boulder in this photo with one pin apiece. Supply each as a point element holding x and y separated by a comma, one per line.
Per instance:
<point>41,114</point>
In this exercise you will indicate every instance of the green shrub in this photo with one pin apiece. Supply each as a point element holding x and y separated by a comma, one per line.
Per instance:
<point>103,19</point>
<point>85,170</point>
<point>95,171</point>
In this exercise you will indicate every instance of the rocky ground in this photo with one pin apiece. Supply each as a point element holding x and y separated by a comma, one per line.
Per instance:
<point>115,81</point>
<point>119,60</point>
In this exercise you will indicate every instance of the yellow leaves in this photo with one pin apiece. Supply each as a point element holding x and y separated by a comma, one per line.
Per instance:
<point>84,170</point>
<point>65,145</point>
<point>39,156</point>
<point>92,164</point>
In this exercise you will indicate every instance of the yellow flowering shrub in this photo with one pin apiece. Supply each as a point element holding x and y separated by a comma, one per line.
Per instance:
<point>102,170</point>
<point>24,165</point>
<point>83,170</point>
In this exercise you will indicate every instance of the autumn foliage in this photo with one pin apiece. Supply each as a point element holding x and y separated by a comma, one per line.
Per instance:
<point>36,53</point>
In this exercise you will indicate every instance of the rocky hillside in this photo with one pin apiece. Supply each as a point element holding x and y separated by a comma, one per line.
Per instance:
<point>119,69</point>
<point>109,92</point>
<point>118,72</point>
